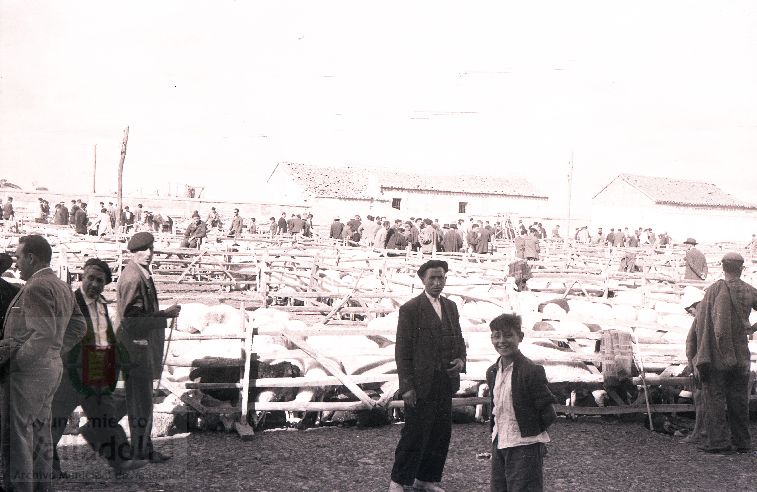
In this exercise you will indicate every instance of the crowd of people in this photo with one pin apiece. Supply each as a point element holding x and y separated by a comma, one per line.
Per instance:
<point>45,324</point>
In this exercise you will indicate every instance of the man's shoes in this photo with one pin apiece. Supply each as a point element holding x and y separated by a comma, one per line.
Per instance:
<point>718,451</point>
<point>158,457</point>
<point>129,465</point>
<point>427,486</point>
<point>396,487</point>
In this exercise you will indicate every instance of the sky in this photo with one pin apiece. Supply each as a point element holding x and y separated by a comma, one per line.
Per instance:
<point>215,93</point>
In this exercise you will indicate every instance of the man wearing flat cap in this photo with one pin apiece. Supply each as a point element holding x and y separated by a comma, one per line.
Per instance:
<point>142,332</point>
<point>91,376</point>
<point>430,354</point>
<point>695,262</point>
<point>721,359</point>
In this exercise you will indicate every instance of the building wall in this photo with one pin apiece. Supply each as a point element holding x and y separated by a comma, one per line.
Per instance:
<point>621,205</point>
<point>445,206</point>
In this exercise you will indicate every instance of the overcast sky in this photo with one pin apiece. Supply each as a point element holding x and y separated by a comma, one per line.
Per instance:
<point>217,92</point>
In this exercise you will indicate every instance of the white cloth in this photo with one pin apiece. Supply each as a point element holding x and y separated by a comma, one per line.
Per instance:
<point>99,319</point>
<point>436,303</point>
<point>506,428</point>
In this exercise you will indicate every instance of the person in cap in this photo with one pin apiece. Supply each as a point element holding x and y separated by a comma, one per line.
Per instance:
<point>522,411</point>
<point>46,320</point>
<point>430,354</point>
<point>195,232</point>
<point>720,358</point>
<point>694,261</point>
<point>90,384</point>
<point>7,290</point>
<point>142,332</point>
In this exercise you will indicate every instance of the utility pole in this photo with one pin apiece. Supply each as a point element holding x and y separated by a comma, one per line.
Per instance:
<point>94,173</point>
<point>119,204</point>
<point>570,193</point>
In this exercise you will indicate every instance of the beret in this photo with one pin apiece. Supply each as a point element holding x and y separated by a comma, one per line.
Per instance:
<point>732,256</point>
<point>6,261</point>
<point>140,241</point>
<point>432,264</point>
<point>98,263</point>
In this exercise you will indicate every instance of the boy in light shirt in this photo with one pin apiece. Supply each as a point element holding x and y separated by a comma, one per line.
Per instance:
<point>522,411</point>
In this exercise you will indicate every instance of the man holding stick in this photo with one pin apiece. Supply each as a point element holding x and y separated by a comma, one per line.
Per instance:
<point>142,332</point>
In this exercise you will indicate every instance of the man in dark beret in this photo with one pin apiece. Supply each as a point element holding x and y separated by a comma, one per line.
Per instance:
<point>91,377</point>
<point>430,354</point>
<point>718,350</point>
<point>142,332</point>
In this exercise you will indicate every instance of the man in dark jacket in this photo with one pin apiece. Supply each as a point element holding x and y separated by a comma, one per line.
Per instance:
<point>81,219</point>
<point>430,354</point>
<point>336,229</point>
<point>695,262</point>
<point>142,333</point>
<point>93,388</point>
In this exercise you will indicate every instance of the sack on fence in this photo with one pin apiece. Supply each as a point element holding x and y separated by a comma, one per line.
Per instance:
<point>616,355</point>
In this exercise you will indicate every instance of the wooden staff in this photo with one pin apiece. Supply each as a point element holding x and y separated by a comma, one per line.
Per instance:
<point>165,356</point>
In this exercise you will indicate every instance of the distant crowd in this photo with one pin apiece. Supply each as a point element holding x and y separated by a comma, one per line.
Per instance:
<point>415,233</point>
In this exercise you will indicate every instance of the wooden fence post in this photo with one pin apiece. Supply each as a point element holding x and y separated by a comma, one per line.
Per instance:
<point>242,427</point>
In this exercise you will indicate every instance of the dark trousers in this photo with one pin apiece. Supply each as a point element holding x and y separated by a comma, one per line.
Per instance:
<point>102,431</point>
<point>518,469</point>
<point>726,402</point>
<point>422,450</point>
<point>138,383</point>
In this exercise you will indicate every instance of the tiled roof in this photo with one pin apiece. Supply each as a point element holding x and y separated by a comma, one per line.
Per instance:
<point>667,191</point>
<point>361,183</point>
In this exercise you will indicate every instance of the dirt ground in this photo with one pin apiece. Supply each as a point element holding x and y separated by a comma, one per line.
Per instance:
<point>588,454</point>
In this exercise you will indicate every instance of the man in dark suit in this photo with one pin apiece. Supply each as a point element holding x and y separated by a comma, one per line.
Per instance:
<point>46,321</point>
<point>93,367</point>
<point>81,219</point>
<point>142,333</point>
<point>430,354</point>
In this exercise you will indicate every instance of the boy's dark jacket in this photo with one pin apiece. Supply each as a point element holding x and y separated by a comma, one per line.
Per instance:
<point>532,399</point>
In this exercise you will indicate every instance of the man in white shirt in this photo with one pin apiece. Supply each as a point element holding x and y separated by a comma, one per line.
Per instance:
<point>91,377</point>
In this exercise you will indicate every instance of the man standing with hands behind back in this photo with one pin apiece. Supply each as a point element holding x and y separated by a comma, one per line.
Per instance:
<point>430,354</point>
<point>142,332</point>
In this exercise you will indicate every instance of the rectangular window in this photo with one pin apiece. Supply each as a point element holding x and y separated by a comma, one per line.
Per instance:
<point>396,203</point>
<point>461,207</point>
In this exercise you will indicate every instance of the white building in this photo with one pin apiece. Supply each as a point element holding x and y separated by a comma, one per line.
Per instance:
<point>347,191</point>
<point>682,208</point>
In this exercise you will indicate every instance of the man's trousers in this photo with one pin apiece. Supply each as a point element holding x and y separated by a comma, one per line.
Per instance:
<point>422,450</point>
<point>102,431</point>
<point>26,437</point>
<point>726,399</point>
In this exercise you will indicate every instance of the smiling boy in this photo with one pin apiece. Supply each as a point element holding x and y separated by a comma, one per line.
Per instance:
<point>521,411</point>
